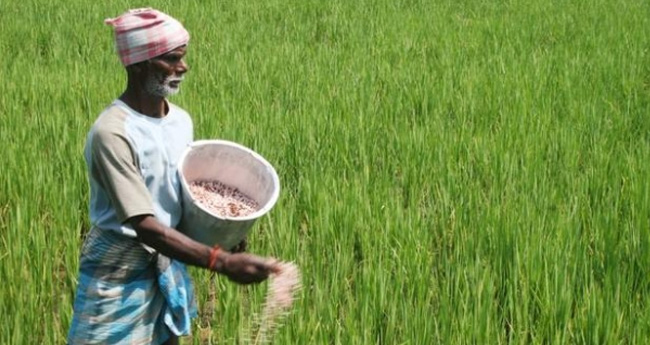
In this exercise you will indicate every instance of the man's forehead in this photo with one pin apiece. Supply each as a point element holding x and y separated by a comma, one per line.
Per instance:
<point>175,53</point>
<point>179,50</point>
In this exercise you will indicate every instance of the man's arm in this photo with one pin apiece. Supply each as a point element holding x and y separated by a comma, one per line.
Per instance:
<point>240,268</point>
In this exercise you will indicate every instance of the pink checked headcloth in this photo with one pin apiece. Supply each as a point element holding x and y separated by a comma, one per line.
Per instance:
<point>145,33</point>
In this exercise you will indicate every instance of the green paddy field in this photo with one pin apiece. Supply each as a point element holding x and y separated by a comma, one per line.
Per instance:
<point>453,172</point>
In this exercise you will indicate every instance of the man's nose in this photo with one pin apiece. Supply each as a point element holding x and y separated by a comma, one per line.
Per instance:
<point>182,67</point>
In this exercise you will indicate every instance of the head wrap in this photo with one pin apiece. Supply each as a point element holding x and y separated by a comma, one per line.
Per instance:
<point>145,33</point>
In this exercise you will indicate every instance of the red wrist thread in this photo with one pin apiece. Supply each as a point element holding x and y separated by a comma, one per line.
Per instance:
<point>214,252</point>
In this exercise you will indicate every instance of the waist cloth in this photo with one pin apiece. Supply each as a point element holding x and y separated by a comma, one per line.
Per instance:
<point>129,294</point>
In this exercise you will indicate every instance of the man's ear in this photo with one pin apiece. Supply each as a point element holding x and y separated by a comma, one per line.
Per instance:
<point>138,68</point>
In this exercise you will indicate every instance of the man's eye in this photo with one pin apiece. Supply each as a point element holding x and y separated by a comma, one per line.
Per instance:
<point>172,58</point>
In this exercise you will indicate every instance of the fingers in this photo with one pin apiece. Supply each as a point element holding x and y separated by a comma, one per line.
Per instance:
<point>240,247</point>
<point>267,266</point>
<point>273,265</point>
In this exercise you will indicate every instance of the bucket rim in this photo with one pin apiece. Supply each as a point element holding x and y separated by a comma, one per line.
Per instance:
<point>207,142</point>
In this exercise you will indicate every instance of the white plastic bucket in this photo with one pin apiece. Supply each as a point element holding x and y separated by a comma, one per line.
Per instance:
<point>233,165</point>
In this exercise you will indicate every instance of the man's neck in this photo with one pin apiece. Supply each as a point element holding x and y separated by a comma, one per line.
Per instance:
<point>144,104</point>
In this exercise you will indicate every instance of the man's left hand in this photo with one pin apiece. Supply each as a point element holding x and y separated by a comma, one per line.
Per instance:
<point>240,248</point>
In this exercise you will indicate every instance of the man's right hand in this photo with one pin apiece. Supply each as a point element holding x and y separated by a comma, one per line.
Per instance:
<point>245,268</point>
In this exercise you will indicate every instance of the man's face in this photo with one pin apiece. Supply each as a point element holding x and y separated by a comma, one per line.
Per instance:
<point>166,72</point>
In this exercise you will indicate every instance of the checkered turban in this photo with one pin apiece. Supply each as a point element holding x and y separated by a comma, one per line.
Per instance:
<point>144,33</point>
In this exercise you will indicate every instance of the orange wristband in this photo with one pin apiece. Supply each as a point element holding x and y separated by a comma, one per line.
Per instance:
<point>214,252</point>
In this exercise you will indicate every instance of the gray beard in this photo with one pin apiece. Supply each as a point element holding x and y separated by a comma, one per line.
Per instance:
<point>154,87</point>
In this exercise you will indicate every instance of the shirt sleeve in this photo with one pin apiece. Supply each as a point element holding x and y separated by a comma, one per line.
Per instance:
<point>115,168</point>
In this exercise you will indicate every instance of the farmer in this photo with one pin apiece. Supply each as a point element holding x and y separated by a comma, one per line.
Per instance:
<point>133,286</point>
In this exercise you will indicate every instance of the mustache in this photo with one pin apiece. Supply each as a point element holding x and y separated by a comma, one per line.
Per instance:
<point>172,79</point>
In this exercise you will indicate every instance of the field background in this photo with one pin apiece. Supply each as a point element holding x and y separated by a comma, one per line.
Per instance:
<point>453,172</point>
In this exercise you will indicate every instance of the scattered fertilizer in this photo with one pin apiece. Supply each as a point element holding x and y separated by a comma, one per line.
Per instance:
<point>223,200</point>
<point>279,298</point>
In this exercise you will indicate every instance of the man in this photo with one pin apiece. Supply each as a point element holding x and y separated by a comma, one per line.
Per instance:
<point>133,288</point>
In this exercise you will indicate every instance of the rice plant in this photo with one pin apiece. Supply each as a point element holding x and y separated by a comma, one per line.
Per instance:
<point>453,172</point>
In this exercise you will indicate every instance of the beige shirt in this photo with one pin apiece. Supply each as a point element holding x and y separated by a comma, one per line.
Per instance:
<point>132,166</point>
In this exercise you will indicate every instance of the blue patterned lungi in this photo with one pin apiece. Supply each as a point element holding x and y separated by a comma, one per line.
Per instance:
<point>128,294</point>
